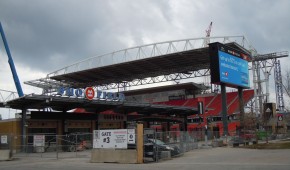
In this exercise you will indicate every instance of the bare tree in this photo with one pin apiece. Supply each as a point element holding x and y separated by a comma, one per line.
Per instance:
<point>286,86</point>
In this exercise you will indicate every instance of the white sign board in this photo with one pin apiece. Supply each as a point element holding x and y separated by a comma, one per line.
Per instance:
<point>38,140</point>
<point>116,138</point>
<point>4,139</point>
<point>131,136</point>
<point>280,118</point>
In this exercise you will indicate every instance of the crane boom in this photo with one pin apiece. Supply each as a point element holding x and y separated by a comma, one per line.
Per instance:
<point>207,40</point>
<point>208,30</point>
<point>11,63</point>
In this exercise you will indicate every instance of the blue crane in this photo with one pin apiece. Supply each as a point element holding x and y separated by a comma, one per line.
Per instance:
<point>11,63</point>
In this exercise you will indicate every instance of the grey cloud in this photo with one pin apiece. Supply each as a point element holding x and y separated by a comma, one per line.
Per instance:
<point>43,32</point>
<point>48,35</point>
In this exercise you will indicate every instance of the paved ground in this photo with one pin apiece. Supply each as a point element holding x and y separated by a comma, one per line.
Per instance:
<point>200,159</point>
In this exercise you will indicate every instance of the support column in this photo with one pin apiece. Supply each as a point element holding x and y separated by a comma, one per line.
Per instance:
<point>241,104</point>
<point>59,131</point>
<point>185,122</point>
<point>224,108</point>
<point>140,143</point>
<point>64,122</point>
<point>125,114</point>
<point>23,129</point>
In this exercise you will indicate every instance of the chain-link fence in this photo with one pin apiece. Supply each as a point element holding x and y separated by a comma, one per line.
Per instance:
<point>244,137</point>
<point>166,145</point>
<point>157,145</point>
<point>53,146</point>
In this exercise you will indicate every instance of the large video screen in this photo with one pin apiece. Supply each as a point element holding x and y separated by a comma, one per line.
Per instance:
<point>233,70</point>
<point>229,66</point>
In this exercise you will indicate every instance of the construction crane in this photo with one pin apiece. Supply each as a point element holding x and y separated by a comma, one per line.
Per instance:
<point>11,63</point>
<point>279,86</point>
<point>208,31</point>
<point>263,63</point>
<point>206,41</point>
<point>205,44</point>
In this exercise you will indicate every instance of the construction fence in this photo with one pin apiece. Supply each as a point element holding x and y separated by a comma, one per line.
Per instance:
<point>167,145</point>
<point>244,137</point>
<point>51,146</point>
<point>157,145</point>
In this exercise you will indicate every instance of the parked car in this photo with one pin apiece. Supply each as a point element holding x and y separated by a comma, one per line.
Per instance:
<point>244,137</point>
<point>237,140</point>
<point>248,134</point>
<point>154,147</point>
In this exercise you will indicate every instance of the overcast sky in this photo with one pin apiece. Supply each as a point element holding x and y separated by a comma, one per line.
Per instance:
<point>45,35</point>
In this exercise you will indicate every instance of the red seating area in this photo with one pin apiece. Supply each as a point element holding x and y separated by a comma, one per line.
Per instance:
<point>214,103</point>
<point>234,106</point>
<point>214,106</point>
<point>190,103</point>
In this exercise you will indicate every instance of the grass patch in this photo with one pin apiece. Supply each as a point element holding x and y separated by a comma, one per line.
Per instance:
<point>282,145</point>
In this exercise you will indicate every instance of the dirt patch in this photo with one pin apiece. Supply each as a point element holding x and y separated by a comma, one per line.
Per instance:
<point>276,145</point>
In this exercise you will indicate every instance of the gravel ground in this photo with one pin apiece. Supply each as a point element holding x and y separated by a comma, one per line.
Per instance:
<point>216,158</point>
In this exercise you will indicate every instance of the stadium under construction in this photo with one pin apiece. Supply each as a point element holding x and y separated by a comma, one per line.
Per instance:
<point>163,85</point>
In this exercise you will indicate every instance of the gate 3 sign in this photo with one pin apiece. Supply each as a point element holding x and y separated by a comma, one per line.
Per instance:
<point>117,138</point>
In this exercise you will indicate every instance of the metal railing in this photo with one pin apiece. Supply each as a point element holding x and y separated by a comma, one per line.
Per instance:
<point>6,95</point>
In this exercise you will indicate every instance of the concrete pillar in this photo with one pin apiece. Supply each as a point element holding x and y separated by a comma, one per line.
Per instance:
<point>23,129</point>
<point>224,109</point>
<point>63,122</point>
<point>185,122</point>
<point>140,143</point>
<point>241,107</point>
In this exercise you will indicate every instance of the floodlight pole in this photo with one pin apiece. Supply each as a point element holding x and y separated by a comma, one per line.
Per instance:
<point>224,109</point>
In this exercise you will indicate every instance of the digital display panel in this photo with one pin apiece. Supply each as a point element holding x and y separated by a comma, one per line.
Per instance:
<point>233,70</point>
<point>229,66</point>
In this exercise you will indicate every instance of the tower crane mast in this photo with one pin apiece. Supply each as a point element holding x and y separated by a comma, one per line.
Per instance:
<point>208,31</point>
<point>205,44</point>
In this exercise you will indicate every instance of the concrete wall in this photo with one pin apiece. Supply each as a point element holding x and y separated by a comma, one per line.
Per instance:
<point>112,155</point>
<point>5,155</point>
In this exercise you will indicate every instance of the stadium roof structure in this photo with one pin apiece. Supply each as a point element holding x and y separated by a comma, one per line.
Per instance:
<point>183,86</point>
<point>65,104</point>
<point>148,64</point>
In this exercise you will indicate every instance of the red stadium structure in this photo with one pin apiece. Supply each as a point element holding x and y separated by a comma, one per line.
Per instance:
<point>195,122</point>
<point>111,76</point>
